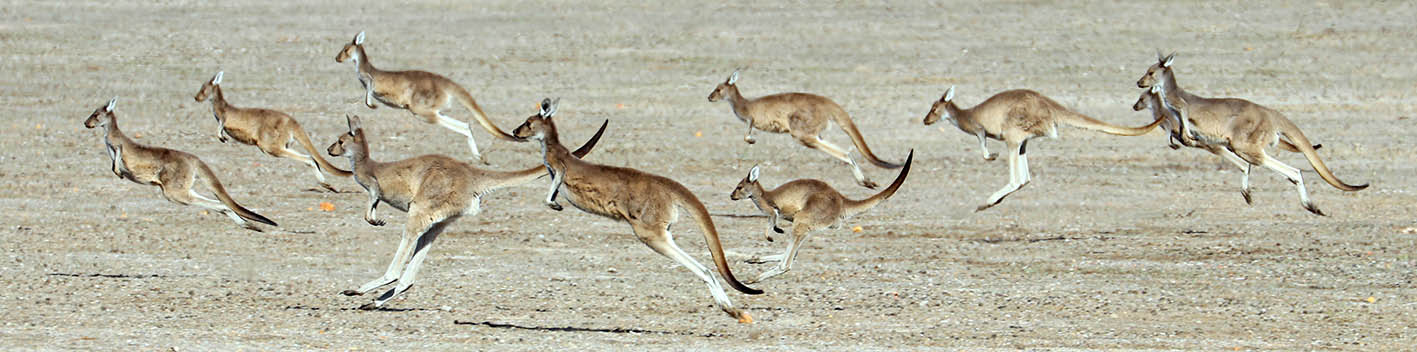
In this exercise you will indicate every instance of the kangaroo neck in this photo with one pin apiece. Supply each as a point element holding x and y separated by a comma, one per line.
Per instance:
<point>1173,90</point>
<point>219,104</point>
<point>552,152</point>
<point>739,104</point>
<point>361,61</point>
<point>760,199</point>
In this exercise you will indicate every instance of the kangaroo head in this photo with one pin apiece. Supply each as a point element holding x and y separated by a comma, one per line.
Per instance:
<point>1154,73</point>
<point>208,88</point>
<point>726,89</point>
<point>943,108</point>
<point>101,116</point>
<point>1147,98</point>
<point>748,187</point>
<point>348,141</point>
<point>538,126</point>
<point>351,49</point>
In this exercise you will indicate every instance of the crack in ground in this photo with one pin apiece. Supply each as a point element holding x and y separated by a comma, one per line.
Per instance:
<point>109,276</point>
<point>580,329</point>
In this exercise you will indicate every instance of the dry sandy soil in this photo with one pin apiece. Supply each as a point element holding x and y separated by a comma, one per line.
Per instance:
<point>1119,243</point>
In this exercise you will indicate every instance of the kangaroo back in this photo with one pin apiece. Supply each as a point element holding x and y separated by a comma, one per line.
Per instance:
<point>701,215</point>
<point>226,198</point>
<point>853,207</point>
<point>1291,131</point>
<point>844,120</point>
<point>304,140</point>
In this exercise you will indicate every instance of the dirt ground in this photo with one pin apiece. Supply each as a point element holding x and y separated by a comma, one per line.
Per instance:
<point>1118,243</point>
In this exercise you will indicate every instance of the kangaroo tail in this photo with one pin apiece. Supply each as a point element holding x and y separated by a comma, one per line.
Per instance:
<point>849,127</point>
<point>581,152</point>
<point>701,214</point>
<point>471,104</point>
<point>857,206</point>
<point>1291,131</point>
<point>226,198</point>
<point>325,166</point>
<point>1083,121</point>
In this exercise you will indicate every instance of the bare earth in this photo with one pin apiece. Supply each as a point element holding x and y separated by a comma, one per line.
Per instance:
<point>1119,242</point>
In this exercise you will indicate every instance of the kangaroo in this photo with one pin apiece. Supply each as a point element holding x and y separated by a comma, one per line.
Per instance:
<point>1154,99</point>
<point>649,203</point>
<point>810,205</point>
<point>422,93</point>
<point>1015,117</point>
<point>173,171</point>
<point>1242,128</point>
<point>272,131</point>
<point>801,115</point>
<point>435,190</point>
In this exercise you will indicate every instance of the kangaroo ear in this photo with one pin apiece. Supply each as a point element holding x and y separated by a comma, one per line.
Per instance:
<point>359,38</point>
<point>217,79</point>
<point>753,174</point>
<point>554,104</point>
<point>353,121</point>
<point>545,108</point>
<point>950,93</point>
<point>111,104</point>
<point>1168,60</point>
<point>733,78</point>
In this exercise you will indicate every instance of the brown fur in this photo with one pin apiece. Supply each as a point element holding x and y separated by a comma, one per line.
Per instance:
<point>1242,127</point>
<point>1015,117</point>
<point>270,130</point>
<point>435,191</point>
<point>649,203</point>
<point>422,93</point>
<point>802,115</point>
<point>173,171</point>
<point>810,205</point>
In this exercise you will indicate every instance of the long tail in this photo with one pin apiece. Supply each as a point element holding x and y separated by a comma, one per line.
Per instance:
<point>518,177</point>
<point>226,198</point>
<point>1291,131</point>
<point>854,207</point>
<point>325,166</point>
<point>701,214</point>
<point>850,128</point>
<point>1083,121</point>
<point>471,104</point>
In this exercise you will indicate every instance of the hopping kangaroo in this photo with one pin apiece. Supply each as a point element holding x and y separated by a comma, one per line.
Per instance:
<point>1240,127</point>
<point>649,203</point>
<point>272,131</point>
<point>422,93</point>
<point>435,190</point>
<point>802,115</point>
<point>173,171</point>
<point>1015,117</point>
<point>810,205</point>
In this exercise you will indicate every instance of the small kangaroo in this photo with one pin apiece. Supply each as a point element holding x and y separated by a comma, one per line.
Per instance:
<point>810,205</point>
<point>272,131</point>
<point>173,171</point>
<point>649,203</point>
<point>435,190</point>
<point>1015,117</point>
<point>801,115</point>
<point>1240,127</point>
<point>422,93</point>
